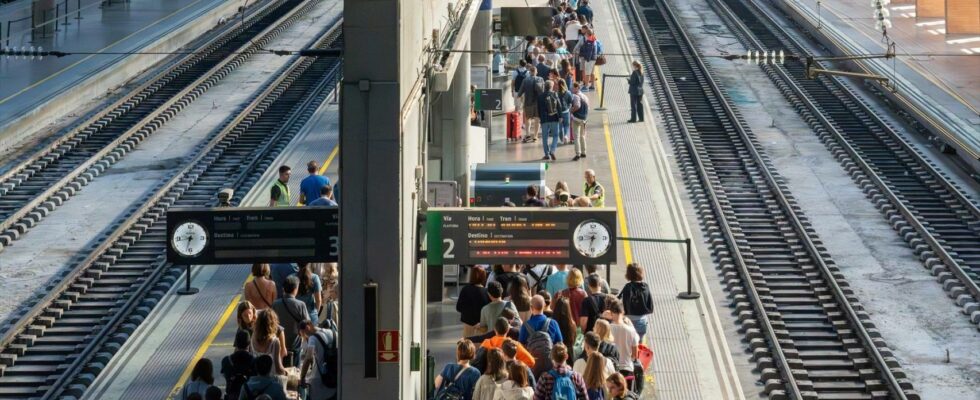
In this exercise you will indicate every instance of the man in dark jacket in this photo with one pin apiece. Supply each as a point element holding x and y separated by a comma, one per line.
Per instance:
<point>636,93</point>
<point>531,87</point>
<point>550,108</point>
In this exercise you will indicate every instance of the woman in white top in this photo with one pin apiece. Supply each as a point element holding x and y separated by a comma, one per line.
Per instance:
<point>265,339</point>
<point>493,377</point>
<point>517,386</point>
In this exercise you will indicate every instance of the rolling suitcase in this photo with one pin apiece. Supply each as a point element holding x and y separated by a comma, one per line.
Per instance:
<point>513,126</point>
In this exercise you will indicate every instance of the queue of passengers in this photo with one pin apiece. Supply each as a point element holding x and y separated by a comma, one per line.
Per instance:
<point>287,337</point>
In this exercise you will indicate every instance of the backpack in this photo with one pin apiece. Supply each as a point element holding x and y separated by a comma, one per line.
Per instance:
<point>588,50</point>
<point>451,391</point>
<point>539,280</point>
<point>519,79</point>
<point>596,394</point>
<point>635,300</point>
<point>552,104</point>
<point>328,366</point>
<point>249,395</point>
<point>234,385</point>
<point>563,388</point>
<point>539,342</point>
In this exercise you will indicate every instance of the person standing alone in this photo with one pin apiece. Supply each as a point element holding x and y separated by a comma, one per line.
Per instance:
<point>636,93</point>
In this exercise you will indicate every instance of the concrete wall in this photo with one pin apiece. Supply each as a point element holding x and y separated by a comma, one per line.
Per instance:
<point>930,8</point>
<point>962,17</point>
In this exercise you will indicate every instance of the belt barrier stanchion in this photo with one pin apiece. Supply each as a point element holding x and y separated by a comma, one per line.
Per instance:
<point>690,294</point>
<point>602,96</point>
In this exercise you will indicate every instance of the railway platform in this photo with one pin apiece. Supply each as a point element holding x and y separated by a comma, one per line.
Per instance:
<point>34,94</point>
<point>692,359</point>
<point>934,73</point>
<point>157,361</point>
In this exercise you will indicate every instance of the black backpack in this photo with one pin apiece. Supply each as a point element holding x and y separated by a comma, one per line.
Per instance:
<point>327,368</point>
<point>552,104</point>
<point>636,300</point>
<point>519,79</point>
<point>539,280</point>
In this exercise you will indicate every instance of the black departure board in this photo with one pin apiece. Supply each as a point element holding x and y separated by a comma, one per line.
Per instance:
<point>509,235</point>
<point>253,235</point>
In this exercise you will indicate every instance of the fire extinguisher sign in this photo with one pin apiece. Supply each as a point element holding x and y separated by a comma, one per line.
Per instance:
<point>388,347</point>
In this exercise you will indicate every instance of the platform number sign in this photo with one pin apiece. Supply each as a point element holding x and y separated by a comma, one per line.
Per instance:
<point>486,235</point>
<point>488,100</point>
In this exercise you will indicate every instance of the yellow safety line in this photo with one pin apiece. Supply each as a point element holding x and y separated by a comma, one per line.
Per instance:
<point>209,341</point>
<point>19,92</point>
<point>206,344</point>
<point>620,206</point>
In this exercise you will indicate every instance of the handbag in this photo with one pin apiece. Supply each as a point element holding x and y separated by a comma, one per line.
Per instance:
<point>600,60</point>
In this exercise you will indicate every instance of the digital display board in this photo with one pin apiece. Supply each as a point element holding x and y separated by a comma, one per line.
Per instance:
<point>253,235</point>
<point>509,235</point>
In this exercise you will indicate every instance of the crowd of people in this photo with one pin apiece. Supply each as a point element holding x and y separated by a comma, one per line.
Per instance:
<point>547,332</point>
<point>286,338</point>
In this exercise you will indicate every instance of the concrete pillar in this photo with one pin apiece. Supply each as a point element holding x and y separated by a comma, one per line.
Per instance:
<point>451,114</point>
<point>930,8</point>
<point>962,17</point>
<point>381,287</point>
<point>480,36</point>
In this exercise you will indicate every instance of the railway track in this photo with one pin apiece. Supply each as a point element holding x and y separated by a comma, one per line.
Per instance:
<point>933,215</point>
<point>65,340</point>
<point>807,331</point>
<point>52,175</point>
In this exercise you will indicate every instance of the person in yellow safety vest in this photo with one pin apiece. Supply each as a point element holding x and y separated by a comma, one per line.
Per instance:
<point>594,190</point>
<point>280,189</point>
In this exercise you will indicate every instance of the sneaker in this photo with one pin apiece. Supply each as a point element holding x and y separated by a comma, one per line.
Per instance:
<point>576,158</point>
<point>553,157</point>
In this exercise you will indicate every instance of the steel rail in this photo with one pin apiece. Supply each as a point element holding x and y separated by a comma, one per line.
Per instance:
<point>854,319</point>
<point>121,322</point>
<point>817,112</point>
<point>31,212</point>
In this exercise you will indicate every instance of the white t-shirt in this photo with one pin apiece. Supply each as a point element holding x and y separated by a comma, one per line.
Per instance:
<point>625,338</point>
<point>581,363</point>
<point>571,30</point>
<point>541,270</point>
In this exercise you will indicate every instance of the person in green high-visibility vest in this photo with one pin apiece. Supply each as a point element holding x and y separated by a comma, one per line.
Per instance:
<point>594,190</point>
<point>280,189</point>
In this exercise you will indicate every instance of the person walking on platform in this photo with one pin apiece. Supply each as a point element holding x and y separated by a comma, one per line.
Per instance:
<point>261,291</point>
<point>310,291</point>
<point>637,299</point>
<point>594,190</point>
<point>267,340</point>
<point>291,312</point>
<point>318,372</point>
<point>280,189</point>
<point>471,300</point>
<point>531,88</point>
<point>265,383</point>
<point>588,52</point>
<point>492,310</point>
<point>550,108</point>
<point>239,366</point>
<point>564,124</point>
<point>202,377</point>
<point>585,10</point>
<point>572,33</point>
<point>561,382</point>
<point>309,187</point>
<point>580,119</point>
<point>636,93</point>
<point>458,379</point>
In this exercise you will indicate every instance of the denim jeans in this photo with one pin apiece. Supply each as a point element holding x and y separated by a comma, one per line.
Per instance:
<point>564,123</point>
<point>639,323</point>
<point>549,130</point>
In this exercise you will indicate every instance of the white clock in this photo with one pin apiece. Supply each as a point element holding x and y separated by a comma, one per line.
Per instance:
<point>592,238</point>
<point>189,239</point>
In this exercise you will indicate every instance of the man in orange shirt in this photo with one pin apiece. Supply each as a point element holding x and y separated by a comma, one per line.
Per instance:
<point>501,327</point>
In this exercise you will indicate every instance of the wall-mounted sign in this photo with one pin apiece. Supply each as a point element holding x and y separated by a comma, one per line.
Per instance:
<point>488,100</point>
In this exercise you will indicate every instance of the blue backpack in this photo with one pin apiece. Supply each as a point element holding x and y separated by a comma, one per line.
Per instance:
<point>589,50</point>
<point>563,388</point>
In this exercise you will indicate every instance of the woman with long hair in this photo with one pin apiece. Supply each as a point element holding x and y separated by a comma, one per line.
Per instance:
<point>202,377</point>
<point>563,315</point>
<point>606,346</point>
<point>266,339</point>
<point>310,291</point>
<point>520,295</point>
<point>574,292</point>
<point>260,291</point>
<point>246,315</point>
<point>493,376</point>
<point>518,385</point>
<point>565,120</point>
<point>459,377</point>
<point>595,376</point>
<point>616,385</point>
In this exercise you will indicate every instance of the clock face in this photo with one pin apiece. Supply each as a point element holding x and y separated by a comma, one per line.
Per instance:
<point>592,238</point>
<point>189,239</point>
